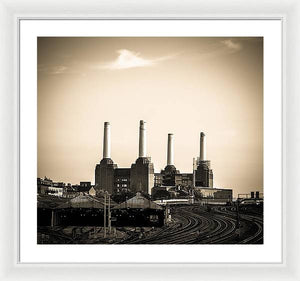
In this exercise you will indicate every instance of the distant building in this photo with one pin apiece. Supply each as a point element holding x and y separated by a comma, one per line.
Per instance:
<point>138,178</point>
<point>142,176</point>
<point>121,180</point>
<point>70,191</point>
<point>47,186</point>
<point>214,193</point>
<point>57,189</point>
<point>92,191</point>
<point>43,185</point>
<point>186,179</point>
<point>158,179</point>
<point>86,184</point>
<point>203,174</point>
<point>84,188</point>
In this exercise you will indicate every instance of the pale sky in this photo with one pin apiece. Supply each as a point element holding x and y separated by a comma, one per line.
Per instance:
<point>177,85</point>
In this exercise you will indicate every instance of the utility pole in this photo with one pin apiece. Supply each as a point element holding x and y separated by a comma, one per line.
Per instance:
<point>194,174</point>
<point>238,215</point>
<point>109,215</point>
<point>166,214</point>
<point>52,218</point>
<point>104,235</point>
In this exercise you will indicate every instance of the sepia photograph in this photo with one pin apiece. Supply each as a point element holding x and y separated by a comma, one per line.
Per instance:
<point>150,140</point>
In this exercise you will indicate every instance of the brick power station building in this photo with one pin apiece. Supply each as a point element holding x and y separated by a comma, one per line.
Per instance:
<point>140,177</point>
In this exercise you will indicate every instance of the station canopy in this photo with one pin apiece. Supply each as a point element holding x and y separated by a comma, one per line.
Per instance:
<point>50,201</point>
<point>82,201</point>
<point>138,202</point>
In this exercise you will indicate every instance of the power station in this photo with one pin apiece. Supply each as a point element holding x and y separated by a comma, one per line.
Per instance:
<point>140,177</point>
<point>128,205</point>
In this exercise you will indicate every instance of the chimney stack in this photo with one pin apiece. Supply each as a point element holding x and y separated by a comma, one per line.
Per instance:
<point>106,140</point>
<point>170,158</point>
<point>202,147</point>
<point>142,139</point>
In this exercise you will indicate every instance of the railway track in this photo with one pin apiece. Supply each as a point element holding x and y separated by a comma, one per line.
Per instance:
<point>257,222</point>
<point>257,237</point>
<point>193,225</point>
<point>181,227</point>
<point>223,230</point>
<point>57,236</point>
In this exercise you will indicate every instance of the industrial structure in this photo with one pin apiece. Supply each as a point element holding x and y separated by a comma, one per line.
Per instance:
<point>140,177</point>
<point>202,175</point>
<point>126,204</point>
<point>86,210</point>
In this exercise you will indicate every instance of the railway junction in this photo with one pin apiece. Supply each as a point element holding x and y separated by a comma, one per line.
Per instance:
<point>189,224</point>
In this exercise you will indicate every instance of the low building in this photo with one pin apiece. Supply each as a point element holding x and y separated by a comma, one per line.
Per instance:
<point>92,191</point>
<point>222,194</point>
<point>138,211</point>
<point>43,185</point>
<point>86,210</point>
<point>160,192</point>
<point>70,192</point>
<point>86,184</point>
<point>47,186</point>
<point>57,189</point>
<point>138,202</point>
<point>84,188</point>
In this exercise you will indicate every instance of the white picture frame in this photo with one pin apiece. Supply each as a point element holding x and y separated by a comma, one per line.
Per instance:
<point>270,251</point>
<point>10,269</point>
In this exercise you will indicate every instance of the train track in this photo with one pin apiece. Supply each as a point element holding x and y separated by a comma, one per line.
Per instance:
<point>193,225</point>
<point>256,221</point>
<point>181,227</point>
<point>257,237</point>
<point>57,236</point>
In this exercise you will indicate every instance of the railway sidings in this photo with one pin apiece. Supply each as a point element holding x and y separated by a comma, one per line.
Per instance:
<point>190,224</point>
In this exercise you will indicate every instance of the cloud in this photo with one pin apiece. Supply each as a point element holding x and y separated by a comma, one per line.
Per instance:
<point>53,69</point>
<point>58,70</point>
<point>233,46</point>
<point>128,59</point>
<point>221,48</point>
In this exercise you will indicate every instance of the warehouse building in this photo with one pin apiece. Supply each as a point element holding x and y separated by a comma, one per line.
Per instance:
<point>85,210</point>
<point>138,211</point>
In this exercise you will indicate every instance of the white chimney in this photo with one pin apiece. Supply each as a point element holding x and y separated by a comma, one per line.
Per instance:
<point>170,157</point>
<point>202,147</point>
<point>142,139</point>
<point>106,140</point>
